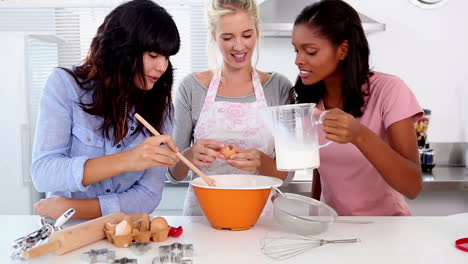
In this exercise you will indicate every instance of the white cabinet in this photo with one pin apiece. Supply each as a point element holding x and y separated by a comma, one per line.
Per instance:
<point>27,60</point>
<point>15,197</point>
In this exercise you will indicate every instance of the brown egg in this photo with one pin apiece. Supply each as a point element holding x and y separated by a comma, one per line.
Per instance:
<point>228,151</point>
<point>159,229</point>
<point>159,224</point>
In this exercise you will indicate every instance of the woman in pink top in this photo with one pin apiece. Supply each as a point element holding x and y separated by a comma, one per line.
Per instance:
<point>374,163</point>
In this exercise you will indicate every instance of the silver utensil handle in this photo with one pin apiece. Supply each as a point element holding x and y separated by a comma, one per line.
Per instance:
<point>64,217</point>
<point>339,241</point>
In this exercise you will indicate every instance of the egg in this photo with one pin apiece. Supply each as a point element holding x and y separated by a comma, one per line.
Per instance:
<point>228,151</point>
<point>159,229</point>
<point>123,228</point>
<point>159,224</point>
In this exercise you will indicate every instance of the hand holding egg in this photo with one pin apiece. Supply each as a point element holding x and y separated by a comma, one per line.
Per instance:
<point>228,151</point>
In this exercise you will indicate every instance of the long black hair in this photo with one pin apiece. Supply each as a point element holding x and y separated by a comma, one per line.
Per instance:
<point>115,58</point>
<point>337,21</point>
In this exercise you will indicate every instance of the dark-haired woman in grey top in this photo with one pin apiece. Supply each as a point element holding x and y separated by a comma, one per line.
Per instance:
<point>218,107</point>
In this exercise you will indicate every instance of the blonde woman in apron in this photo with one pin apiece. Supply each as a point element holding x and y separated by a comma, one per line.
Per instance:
<point>227,100</point>
<point>234,124</point>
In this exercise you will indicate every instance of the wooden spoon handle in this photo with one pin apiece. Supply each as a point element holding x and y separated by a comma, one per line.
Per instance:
<point>187,162</point>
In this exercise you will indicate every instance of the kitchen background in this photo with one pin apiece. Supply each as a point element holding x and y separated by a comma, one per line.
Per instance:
<point>425,47</point>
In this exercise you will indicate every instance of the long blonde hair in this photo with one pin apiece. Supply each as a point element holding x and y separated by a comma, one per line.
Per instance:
<point>218,8</point>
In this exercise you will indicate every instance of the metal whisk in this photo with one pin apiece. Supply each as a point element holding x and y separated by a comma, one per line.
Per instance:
<point>288,246</point>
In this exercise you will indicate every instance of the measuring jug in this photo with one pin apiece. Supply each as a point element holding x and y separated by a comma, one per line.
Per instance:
<point>294,128</point>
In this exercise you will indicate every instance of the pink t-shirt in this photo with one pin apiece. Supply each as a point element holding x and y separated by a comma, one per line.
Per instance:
<point>350,183</point>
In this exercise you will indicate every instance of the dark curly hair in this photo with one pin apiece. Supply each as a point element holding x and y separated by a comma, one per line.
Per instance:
<point>115,59</point>
<point>337,21</point>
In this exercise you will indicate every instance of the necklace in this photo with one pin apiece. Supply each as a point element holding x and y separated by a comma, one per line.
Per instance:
<point>124,120</point>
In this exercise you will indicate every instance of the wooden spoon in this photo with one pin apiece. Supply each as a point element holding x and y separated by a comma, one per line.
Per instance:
<point>187,162</point>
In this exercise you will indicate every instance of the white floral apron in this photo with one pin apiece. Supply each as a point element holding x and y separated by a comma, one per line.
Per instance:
<point>234,124</point>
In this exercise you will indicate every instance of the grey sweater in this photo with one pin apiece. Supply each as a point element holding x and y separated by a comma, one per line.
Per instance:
<point>191,94</point>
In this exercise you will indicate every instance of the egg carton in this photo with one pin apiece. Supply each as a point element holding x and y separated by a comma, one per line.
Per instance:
<point>141,232</point>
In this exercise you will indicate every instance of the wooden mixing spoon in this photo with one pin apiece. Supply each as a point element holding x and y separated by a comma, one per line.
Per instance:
<point>187,162</point>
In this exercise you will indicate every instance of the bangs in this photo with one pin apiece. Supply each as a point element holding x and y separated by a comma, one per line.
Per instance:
<point>162,36</point>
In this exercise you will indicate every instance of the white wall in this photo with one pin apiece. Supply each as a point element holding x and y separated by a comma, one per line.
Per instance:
<point>426,48</point>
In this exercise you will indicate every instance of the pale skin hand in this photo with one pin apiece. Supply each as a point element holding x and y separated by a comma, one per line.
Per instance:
<point>55,206</point>
<point>253,159</point>
<point>246,160</point>
<point>205,151</point>
<point>52,207</point>
<point>397,161</point>
<point>150,153</point>
<point>201,154</point>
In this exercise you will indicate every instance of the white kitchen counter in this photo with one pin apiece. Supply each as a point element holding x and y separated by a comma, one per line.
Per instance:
<point>388,240</point>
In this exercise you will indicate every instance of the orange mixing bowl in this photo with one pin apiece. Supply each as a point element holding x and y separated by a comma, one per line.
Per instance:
<point>237,200</point>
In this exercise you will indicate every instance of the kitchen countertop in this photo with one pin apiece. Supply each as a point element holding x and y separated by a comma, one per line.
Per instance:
<point>442,178</point>
<point>446,178</point>
<point>387,240</point>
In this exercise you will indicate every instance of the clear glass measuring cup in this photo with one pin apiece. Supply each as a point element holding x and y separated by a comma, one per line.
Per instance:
<point>294,128</point>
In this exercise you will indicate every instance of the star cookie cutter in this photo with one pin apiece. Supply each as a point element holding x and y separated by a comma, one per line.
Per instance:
<point>125,261</point>
<point>102,255</point>
<point>175,253</point>
<point>140,248</point>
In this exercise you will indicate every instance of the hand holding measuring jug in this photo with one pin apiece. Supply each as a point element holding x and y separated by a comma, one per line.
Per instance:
<point>340,126</point>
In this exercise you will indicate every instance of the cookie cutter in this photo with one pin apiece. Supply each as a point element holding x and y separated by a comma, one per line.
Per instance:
<point>102,255</point>
<point>125,261</point>
<point>140,248</point>
<point>175,253</point>
<point>172,260</point>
